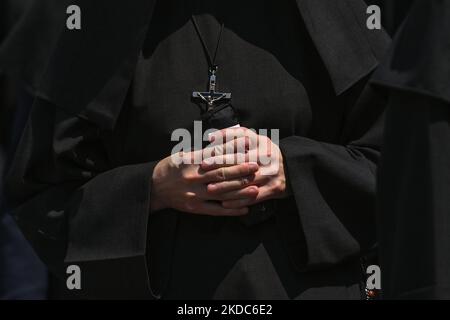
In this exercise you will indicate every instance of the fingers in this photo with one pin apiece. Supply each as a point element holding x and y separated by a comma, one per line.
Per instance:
<point>235,145</point>
<point>263,195</point>
<point>245,193</point>
<point>227,160</point>
<point>216,209</point>
<point>229,173</point>
<point>261,156</point>
<point>216,188</point>
<point>239,139</point>
<point>231,133</point>
<point>230,185</point>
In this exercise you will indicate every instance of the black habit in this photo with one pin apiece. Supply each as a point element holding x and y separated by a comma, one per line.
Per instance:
<point>414,179</point>
<point>102,119</point>
<point>393,13</point>
<point>27,35</point>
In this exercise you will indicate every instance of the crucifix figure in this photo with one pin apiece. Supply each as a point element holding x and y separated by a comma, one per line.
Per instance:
<point>212,98</point>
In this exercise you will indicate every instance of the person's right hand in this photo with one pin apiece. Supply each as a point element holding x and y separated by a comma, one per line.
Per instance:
<point>184,187</point>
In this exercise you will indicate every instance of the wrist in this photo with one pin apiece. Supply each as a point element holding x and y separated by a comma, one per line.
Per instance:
<point>156,202</point>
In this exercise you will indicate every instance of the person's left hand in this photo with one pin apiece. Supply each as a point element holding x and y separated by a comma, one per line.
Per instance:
<point>244,145</point>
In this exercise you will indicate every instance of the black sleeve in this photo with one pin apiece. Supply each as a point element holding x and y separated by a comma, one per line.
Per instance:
<point>414,202</point>
<point>334,185</point>
<point>76,207</point>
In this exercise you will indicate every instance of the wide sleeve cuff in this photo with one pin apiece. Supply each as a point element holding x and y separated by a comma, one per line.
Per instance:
<point>334,191</point>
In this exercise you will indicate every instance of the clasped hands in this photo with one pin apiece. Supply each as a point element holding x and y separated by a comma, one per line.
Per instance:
<point>227,181</point>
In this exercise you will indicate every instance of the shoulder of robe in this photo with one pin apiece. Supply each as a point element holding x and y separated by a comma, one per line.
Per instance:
<point>349,50</point>
<point>90,70</point>
<point>89,66</point>
<point>419,58</point>
<point>31,30</point>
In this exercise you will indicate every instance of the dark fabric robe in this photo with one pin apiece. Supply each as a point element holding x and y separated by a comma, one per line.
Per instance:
<point>32,27</point>
<point>22,274</point>
<point>414,179</point>
<point>71,202</point>
<point>393,12</point>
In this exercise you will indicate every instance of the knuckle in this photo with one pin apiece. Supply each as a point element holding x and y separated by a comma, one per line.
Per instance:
<point>213,188</point>
<point>220,174</point>
<point>278,186</point>
<point>190,196</point>
<point>188,176</point>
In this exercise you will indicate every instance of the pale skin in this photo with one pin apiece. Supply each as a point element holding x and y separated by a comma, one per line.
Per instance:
<point>221,185</point>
